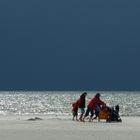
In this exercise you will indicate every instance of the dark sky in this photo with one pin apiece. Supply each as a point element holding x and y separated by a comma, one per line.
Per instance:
<point>70,45</point>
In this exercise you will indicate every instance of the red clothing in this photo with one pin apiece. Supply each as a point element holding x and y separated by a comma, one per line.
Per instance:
<point>94,102</point>
<point>82,101</point>
<point>75,106</point>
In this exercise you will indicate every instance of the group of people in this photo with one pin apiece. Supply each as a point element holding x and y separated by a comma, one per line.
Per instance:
<point>93,107</point>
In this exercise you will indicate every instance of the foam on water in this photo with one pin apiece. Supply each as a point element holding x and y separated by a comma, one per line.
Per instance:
<point>59,103</point>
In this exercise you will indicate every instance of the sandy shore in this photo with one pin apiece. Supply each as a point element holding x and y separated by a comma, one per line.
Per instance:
<point>18,128</point>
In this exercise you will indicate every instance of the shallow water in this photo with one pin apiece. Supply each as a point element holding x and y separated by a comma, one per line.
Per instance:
<point>59,103</point>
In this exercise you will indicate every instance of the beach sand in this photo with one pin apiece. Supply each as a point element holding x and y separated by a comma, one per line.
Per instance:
<point>20,128</point>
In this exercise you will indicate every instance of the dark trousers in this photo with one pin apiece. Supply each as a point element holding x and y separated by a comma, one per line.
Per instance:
<point>89,110</point>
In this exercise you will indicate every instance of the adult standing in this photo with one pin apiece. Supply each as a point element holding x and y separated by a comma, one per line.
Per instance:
<point>82,105</point>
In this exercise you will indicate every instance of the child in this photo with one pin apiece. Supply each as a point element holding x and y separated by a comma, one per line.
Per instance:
<point>75,106</point>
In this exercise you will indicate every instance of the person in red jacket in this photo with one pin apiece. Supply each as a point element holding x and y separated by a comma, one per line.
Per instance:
<point>94,105</point>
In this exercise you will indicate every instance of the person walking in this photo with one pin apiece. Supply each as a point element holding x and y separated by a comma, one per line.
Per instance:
<point>94,106</point>
<point>82,105</point>
<point>75,106</point>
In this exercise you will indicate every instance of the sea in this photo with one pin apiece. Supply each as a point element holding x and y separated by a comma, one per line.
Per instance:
<point>60,102</point>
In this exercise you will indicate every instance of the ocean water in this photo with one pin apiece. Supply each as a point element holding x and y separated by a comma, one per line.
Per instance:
<point>59,103</point>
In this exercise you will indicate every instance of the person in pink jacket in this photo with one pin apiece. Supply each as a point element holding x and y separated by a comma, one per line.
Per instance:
<point>94,105</point>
